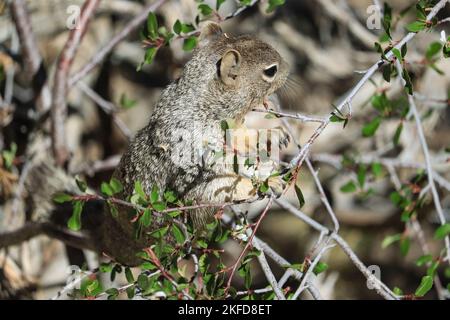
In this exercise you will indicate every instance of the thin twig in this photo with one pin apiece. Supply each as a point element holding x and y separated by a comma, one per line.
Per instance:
<point>249,243</point>
<point>108,107</point>
<point>380,287</point>
<point>296,116</point>
<point>268,272</point>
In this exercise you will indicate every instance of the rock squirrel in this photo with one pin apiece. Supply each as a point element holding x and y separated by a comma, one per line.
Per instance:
<point>225,79</point>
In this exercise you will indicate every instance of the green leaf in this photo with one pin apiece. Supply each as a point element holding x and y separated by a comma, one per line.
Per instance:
<point>152,26</point>
<point>148,266</point>
<point>62,198</point>
<point>416,26</point>
<point>446,49</point>
<point>190,43</point>
<point>264,187</point>
<point>159,206</point>
<point>421,14</point>
<point>273,4</point>
<point>204,9</point>
<point>387,19</point>
<point>431,271</point>
<point>377,169</point>
<point>170,196</point>
<point>150,55</point>
<point>10,155</point>
<point>362,170</point>
<point>177,27</point>
<point>300,197</point>
<point>158,234</point>
<point>425,285</point>
<point>146,218</point>
<point>245,2</point>
<point>127,103</point>
<point>74,222</point>
<point>433,50</point>
<point>202,244</point>
<point>396,198</point>
<point>113,209</point>
<point>320,267</point>
<point>442,231</point>
<point>91,287</point>
<point>129,275</point>
<point>178,234</point>
<point>143,282</point>
<point>387,72</point>
<point>348,187</point>
<point>116,186</point>
<point>397,291</point>
<point>219,3</point>
<point>139,190</point>
<point>380,102</point>
<point>447,272</point>
<point>105,267</point>
<point>335,118</point>
<point>154,195</point>
<point>407,78</point>
<point>82,185</point>
<point>404,50</point>
<point>372,127</point>
<point>131,291</point>
<point>390,240</point>
<point>405,244</point>
<point>186,28</point>
<point>423,260</point>
<point>397,54</point>
<point>112,293</point>
<point>397,134</point>
<point>106,189</point>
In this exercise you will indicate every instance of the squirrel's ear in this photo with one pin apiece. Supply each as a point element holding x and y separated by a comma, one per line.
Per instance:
<point>210,32</point>
<point>228,67</point>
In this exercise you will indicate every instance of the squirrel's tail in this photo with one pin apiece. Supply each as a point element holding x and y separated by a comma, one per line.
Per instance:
<point>44,180</point>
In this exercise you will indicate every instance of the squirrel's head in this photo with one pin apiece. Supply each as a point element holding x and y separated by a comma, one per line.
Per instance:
<point>241,67</point>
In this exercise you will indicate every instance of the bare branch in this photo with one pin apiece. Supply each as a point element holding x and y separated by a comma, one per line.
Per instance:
<point>34,229</point>
<point>30,53</point>
<point>59,105</point>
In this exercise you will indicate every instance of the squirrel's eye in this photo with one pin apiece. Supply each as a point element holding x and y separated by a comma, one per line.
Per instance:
<point>271,71</point>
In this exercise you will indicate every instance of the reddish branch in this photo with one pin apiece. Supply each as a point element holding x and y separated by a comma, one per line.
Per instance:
<point>249,243</point>
<point>59,105</point>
